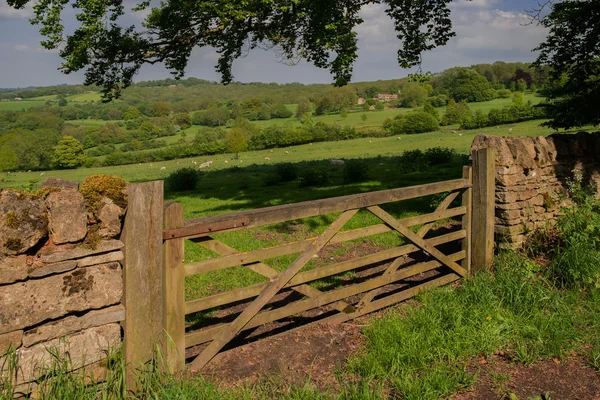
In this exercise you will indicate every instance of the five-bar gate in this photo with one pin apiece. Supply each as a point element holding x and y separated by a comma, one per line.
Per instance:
<point>469,199</point>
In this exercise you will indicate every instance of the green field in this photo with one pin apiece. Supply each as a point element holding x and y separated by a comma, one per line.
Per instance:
<point>366,148</point>
<point>85,97</point>
<point>20,105</point>
<point>91,122</point>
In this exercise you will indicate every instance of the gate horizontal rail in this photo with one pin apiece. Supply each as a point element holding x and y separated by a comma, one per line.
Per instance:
<point>205,226</point>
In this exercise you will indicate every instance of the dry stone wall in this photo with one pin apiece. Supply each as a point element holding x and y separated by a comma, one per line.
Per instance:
<point>61,280</point>
<point>532,179</point>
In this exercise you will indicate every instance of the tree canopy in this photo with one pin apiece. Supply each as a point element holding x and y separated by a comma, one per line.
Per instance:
<point>572,50</point>
<point>321,32</point>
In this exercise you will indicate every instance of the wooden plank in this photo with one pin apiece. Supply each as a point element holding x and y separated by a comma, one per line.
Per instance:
<point>482,230</point>
<point>142,275</point>
<point>398,262</point>
<point>238,324</point>
<point>466,219</point>
<point>317,273</point>
<point>174,292</point>
<point>418,241</point>
<point>287,212</point>
<point>268,272</point>
<point>243,258</point>
<point>442,207</point>
<point>194,230</point>
<point>202,336</point>
<point>393,298</point>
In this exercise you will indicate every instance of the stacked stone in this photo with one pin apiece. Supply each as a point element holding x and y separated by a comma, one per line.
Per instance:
<point>532,177</point>
<point>60,279</point>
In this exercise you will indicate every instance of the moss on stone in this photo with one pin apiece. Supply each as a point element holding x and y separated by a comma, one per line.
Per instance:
<point>92,239</point>
<point>549,202</point>
<point>44,192</point>
<point>95,187</point>
<point>12,221</point>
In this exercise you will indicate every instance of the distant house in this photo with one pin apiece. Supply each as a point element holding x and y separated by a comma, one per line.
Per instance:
<point>18,99</point>
<point>361,101</point>
<point>386,97</point>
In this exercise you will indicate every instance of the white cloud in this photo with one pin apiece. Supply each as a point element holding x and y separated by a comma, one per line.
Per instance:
<point>22,47</point>
<point>474,3</point>
<point>8,12</point>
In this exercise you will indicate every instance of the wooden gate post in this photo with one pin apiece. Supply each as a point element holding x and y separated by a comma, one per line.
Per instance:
<point>467,223</point>
<point>174,291</point>
<point>482,233</point>
<point>142,275</point>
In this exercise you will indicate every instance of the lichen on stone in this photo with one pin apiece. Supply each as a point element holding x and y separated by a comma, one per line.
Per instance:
<point>95,187</point>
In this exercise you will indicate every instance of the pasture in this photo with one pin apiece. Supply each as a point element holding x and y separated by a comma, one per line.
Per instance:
<point>357,148</point>
<point>20,104</point>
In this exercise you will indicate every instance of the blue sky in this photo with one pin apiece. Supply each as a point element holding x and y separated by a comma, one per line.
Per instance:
<point>487,31</point>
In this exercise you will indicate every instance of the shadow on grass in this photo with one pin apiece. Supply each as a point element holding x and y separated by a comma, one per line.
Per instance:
<point>237,188</point>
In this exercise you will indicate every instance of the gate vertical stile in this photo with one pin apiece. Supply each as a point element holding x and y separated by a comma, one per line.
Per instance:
<point>174,291</point>
<point>467,202</point>
<point>482,234</point>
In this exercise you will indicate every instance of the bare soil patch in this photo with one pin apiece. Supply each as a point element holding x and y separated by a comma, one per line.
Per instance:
<point>548,379</point>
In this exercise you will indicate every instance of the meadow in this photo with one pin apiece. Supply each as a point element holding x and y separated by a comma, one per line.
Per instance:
<point>356,148</point>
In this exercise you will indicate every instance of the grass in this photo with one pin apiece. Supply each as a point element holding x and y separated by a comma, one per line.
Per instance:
<point>366,148</point>
<point>20,105</point>
<point>91,122</point>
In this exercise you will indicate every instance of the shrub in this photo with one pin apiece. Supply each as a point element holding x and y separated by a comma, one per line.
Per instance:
<point>356,171</point>
<point>313,177</point>
<point>286,172</point>
<point>183,179</point>
<point>439,155</point>
<point>413,122</point>
<point>412,161</point>
<point>95,187</point>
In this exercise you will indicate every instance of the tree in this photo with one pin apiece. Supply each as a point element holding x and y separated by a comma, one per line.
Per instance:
<point>572,51</point>
<point>429,109</point>
<point>465,84</point>
<point>323,33</point>
<point>520,85</point>
<point>455,113</point>
<point>62,102</point>
<point>8,159</point>
<point>413,95</point>
<point>183,119</point>
<point>68,153</point>
<point>161,109</point>
<point>235,141</point>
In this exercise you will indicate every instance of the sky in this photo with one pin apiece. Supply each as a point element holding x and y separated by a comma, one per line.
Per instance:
<point>487,31</point>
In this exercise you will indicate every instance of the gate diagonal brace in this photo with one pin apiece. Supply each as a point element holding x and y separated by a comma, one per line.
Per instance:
<point>232,329</point>
<point>397,263</point>
<point>269,272</point>
<point>416,240</point>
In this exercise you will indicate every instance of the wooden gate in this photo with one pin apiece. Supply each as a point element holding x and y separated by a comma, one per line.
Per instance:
<point>348,301</point>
